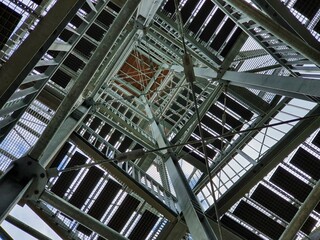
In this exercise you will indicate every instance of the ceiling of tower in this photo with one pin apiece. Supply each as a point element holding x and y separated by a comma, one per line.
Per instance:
<point>141,73</point>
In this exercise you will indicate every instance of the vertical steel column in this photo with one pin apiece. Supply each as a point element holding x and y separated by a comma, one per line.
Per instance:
<point>11,192</point>
<point>23,60</point>
<point>303,213</point>
<point>62,134</point>
<point>14,183</point>
<point>194,216</point>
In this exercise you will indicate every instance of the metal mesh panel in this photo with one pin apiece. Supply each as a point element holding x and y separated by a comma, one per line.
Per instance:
<point>237,227</point>
<point>316,140</point>
<point>17,19</point>
<point>102,203</point>
<point>9,19</point>
<point>291,184</point>
<point>274,202</point>
<point>212,25</point>
<point>123,213</point>
<point>200,18</point>
<point>61,155</point>
<point>222,35</point>
<point>307,8</point>
<point>187,9</point>
<point>144,226</point>
<point>65,179</point>
<point>86,187</point>
<point>307,162</point>
<point>258,220</point>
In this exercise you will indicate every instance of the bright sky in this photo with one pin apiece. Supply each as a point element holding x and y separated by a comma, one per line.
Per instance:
<point>26,215</point>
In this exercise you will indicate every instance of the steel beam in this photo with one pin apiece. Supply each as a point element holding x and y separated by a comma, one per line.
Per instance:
<point>294,87</point>
<point>201,72</point>
<point>21,32</point>
<point>192,160</point>
<point>24,178</point>
<point>14,190</point>
<point>270,160</point>
<point>277,30</point>
<point>303,213</point>
<point>50,97</point>
<point>282,14</point>
<point>60,47</point>
<point>243,95</point>
<point>249,54</point>
<point>83,80</point>
<point>203,82</point>
<point>130,87</point>
<point>11,191</point>
<point>56,224</point>
<point>209,55</point>
<point>171,95</point>
<point>226,233</point>
<point>91,5</point>
<point>62,134</point>
<point>81,217</point>
<point>194,216</point>
<point>178,229</point>
<point>163,53</point>
<point>26,228</point>
<point>233,53</point>
<point>154,78</point>
<point>203,75</point>
<point>125,102</point>
<point>23,60</point>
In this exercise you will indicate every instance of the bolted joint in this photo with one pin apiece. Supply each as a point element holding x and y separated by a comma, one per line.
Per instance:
<point>80,111</point>
<point>139,23</point>
<point>26,168</point>
<point>88,102</point>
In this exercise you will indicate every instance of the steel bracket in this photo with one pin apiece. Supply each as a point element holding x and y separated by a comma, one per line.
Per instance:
<point>24,169</point>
